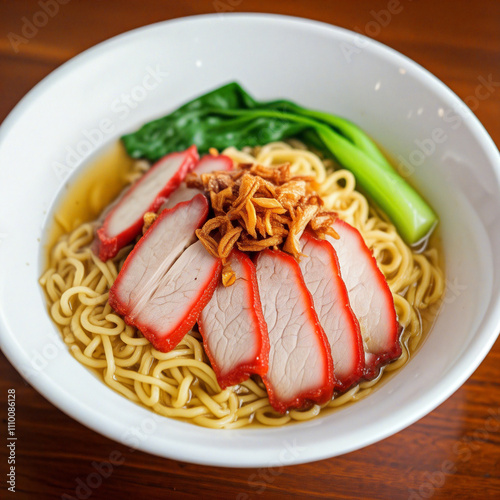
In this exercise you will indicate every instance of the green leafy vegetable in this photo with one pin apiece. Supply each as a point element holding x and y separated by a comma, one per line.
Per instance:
<point>229,116</point>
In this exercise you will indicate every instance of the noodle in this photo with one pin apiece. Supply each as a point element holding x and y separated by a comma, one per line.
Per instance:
<point>181,383</point>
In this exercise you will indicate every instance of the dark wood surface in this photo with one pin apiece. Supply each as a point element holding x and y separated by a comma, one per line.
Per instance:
<point>453,453</point>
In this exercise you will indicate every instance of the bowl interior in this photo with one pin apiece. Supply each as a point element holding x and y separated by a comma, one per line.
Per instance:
<point>111,89</point>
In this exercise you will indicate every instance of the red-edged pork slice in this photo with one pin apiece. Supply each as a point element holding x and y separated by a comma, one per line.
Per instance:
<point>233,327</point>
<point>206,165</point>
<point>210,163</point>
<point>370,298</point>
<point>321,273</point>
<point>172,306</point>
<point>175,306</point>
<point>300,364</point>
<point>182,193</point>
<point>124,221</point>
<point>156,251</point>
<point>150,269</point>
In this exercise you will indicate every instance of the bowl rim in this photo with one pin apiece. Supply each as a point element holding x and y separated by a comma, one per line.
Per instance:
<point>443,389</point>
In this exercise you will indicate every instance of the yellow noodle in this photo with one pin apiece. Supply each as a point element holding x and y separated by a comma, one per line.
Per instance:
<point>268,416</point>
<point>181,383</point>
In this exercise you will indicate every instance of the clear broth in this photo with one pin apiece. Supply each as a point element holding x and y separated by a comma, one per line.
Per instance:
<point>91,192</point>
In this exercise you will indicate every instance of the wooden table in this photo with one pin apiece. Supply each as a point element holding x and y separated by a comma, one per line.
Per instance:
<point>452,453</point>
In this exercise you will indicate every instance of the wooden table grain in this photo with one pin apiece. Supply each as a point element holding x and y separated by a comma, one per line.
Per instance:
<point>453,453</point>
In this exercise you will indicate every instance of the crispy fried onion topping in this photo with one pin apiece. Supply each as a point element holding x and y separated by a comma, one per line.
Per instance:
<point>257,207</point>
<point>149,218</point>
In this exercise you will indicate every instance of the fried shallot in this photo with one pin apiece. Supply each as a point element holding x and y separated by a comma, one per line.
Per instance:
<point>257,207</point>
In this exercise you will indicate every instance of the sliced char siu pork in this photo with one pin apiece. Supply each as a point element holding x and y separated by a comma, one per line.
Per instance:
<point>124,221</point>
<point>166,281</point>
<point>321,273</point>
<point>206,165</point>
<point>233,327</point>
<point>174,231</point>
<point>175,306</point>
<point>370,297</point>
<point>300,364</point>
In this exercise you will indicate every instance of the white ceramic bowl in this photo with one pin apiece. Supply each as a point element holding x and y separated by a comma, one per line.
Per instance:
<point>319,66</point>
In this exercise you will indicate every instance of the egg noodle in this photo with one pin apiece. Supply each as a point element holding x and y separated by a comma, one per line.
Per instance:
<point>181,383</point>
